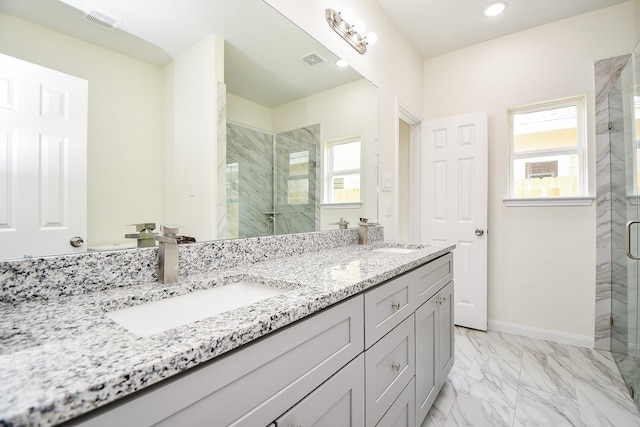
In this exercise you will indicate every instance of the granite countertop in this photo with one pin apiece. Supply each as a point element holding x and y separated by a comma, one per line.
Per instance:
<point>63,357</point>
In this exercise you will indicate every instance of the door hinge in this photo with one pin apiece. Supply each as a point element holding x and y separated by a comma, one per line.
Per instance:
<point>610,125</point>
<point>611,320</point>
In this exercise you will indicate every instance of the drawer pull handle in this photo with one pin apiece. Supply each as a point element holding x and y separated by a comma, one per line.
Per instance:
<point>395,366</point>
<point>395,306</point>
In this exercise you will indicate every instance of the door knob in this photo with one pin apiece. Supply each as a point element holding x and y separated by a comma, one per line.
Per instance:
<point>479,232</point>
<point>76,241</point>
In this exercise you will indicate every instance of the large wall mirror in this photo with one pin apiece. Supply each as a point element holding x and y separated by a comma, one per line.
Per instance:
<point>219,116</point>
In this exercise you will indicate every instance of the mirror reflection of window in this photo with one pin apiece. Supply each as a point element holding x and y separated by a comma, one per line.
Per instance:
<point>342,183</point>
<point>298,182</point>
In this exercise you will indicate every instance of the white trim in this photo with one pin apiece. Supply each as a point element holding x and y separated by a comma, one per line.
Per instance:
<point>355,205</point>
<point>543,334</point>
<point>549,201</point>
<point>405,114</point>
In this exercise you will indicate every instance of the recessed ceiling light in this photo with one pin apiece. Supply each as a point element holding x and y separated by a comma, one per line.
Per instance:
<point>495,9</point>
<point>341,63</point>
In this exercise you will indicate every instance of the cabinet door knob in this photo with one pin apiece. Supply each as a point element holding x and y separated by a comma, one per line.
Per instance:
<point>395,366</point>
<point>395,306</point>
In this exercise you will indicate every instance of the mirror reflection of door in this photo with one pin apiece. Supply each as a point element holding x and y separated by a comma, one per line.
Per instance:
<point>43,157</point>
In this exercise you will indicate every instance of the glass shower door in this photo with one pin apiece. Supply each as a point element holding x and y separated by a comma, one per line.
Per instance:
<point>297,195</point>
<point>625,158</point>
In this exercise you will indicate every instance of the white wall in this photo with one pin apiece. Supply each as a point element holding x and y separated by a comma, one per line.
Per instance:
<point>124,129</point>
<point>541,259</point>
<point>391,64</point>
<point>249,113</point>
<point>190,138</point>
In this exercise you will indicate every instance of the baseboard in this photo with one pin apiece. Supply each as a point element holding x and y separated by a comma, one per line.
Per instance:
<point>543,334</point>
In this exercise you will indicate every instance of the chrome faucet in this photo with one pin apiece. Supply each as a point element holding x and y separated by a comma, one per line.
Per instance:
<point>168,255</point>
<point>343,224</point>
<point>363,231</point>
<point>145,235</point>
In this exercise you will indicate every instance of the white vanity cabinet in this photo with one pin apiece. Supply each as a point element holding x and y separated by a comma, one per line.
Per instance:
<point>408,343</point>
<point>377,359</point>
<point>434,332</point>
<point>251,386</point>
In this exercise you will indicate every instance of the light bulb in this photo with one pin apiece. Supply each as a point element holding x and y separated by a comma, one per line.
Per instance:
<point>359,26</point>
<point>372,38</point>
<point>346,14</point>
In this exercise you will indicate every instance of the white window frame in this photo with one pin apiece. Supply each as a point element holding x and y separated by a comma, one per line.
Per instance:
<point>582,198</point>
<point>329,172</point>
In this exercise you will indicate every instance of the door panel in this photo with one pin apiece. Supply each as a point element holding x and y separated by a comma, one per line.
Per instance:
<point>454,205</point>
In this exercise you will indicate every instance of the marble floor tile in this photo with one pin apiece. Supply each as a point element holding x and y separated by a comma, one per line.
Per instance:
<point>493,379</point>
<point>506,380</point>
<point>502,346</point>
<point>594,365</point>
<point>540,408</point>
<point>547,372</point>
<point>472,412</point>
<point>546,347</point>
<point>605,405</point>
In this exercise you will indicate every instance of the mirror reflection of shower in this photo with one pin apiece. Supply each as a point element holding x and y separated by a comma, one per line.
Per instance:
<point>272,181</point>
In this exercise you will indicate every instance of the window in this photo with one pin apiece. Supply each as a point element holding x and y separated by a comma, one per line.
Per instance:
<point>298,182</point>
<point>547,150</point>
<point>342,177</point>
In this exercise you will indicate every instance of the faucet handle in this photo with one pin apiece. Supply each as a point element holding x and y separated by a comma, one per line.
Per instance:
<point>170,230</point>
<point>144,226</point>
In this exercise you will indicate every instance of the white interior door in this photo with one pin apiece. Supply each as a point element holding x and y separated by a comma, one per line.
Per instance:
<point>43,159</point>
<point>453,196</point>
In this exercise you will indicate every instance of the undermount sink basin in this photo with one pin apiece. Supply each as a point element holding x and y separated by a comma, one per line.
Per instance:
<point>395,250</point>
<point>159,316</point>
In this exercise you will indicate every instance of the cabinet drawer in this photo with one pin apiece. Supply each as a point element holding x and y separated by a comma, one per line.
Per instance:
<point>337,402</point>
<point>390,365</point>
<point>432,277</point>
<point>386,306</point>
<point>401,413</point>
<point>253,385</point>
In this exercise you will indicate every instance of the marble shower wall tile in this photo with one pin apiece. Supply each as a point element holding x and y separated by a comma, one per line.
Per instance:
<point>250,192</point>
<point>610,188</point>
<point>221,187</point>
<point>295,217</point>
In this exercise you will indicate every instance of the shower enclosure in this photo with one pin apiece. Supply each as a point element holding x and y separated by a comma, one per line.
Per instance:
<point>624,119</point>
<point>272,181</point>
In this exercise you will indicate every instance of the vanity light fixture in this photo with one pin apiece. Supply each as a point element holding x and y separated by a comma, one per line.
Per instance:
<point>351,33</point>
<point>495,9</point>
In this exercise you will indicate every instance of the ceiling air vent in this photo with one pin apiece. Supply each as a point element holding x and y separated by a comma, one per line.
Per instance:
<point>104,21</point>
<point>312,59</point>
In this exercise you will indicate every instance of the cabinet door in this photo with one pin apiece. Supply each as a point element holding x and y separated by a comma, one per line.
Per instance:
<point>445,331</point>
<point>390,366</point>
<point>401,413</point>
<point>337,402</point>
<point>427,367</point>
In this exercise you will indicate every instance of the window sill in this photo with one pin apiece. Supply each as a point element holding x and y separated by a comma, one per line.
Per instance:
<point>549,201</point>
<point>353,205</point>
